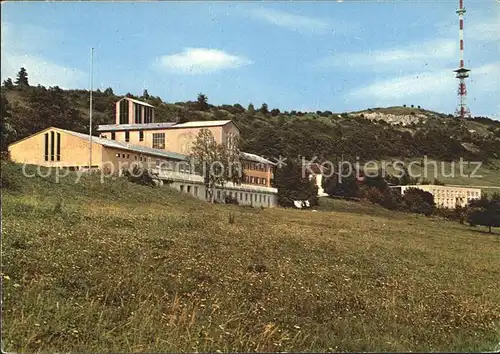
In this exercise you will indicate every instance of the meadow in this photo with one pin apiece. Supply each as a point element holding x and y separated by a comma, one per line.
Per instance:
<point>115,266</point>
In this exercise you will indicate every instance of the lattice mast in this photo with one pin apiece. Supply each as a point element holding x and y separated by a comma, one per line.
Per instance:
<point>462,73</point>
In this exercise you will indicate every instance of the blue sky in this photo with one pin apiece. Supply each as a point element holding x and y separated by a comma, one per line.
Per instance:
<point>338,56</point>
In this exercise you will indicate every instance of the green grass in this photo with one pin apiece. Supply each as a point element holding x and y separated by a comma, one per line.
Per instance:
<point>121,267</point>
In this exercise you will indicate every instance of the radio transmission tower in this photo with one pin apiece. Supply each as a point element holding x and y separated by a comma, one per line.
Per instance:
<point>462,73</point>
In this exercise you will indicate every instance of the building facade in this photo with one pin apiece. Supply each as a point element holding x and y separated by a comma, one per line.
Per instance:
<point>179,138</point>
<point>163,148</point>
<point>447,196</point>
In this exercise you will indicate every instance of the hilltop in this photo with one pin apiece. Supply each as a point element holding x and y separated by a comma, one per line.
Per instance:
<point>377,133</point>
<point>122,267</point>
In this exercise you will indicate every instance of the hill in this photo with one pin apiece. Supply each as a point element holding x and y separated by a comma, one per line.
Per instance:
<point>114,266</point>
<point>374,134</point>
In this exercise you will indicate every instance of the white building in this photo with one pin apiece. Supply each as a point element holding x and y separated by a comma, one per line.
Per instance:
<point>447,196</point>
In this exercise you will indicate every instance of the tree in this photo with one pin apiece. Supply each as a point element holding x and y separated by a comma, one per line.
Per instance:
<point>22,78</point>
<point>264,109</point>
<point>145,94</point>
<point>485,212</point>
<point>8,83</point>
<point>217,163</point>
<point>341,185</point>
<point>419,201</point>
<point>292,185</point>
<point>275,112</point>
<point>109,92</point>
<point>47,107</point>
<point>8,133</point>
<point>202,102</point>
<point>238,108</point>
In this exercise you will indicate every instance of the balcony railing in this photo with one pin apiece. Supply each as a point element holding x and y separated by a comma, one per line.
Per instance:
<point>178,176</point>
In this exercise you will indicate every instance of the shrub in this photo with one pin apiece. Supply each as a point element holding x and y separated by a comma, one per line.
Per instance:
<point>10,178</point>
<point>372,194</point>
<point>419,201</point>
<point>140,176</point>
<point>230,200</point>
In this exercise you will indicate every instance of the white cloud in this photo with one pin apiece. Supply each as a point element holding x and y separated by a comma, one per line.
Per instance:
<point>200,61</point>
<point>292,22</point>
<point>434,89</point>
<point>42,71</point>
<point>477,27</point>
<point>406,86</point>
<point>426,54</point>
<point>487,30</point>
<point>21,47</point>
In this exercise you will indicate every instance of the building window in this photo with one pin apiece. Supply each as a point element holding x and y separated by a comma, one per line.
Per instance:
<point>124,112</point>
<point>113,135</point>
<point>51,146</point>
<point>157,163</point>
<point>46,146</point>
<point>218,194</point>
<point>158,140</point>
<point>128,156</point>
<point>117,155</point>
<point>255,197</point>
<point>58,147</point>
<point>264,181</point>
<point>148,114</point>
<point>138,113</point>
<point>189,189</point>
<point>182,188</point>
<point>195,191</point>
<point>123,155</point>
<point>246,196</point>
<point>141,135</point>
<point>127,136</point>
<point>135,157</point>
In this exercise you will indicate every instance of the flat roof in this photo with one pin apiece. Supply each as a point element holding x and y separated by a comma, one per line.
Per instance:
<point>202,123</point>
<point>255,158</point>
<point>164,125</point>
<point>436,186</point>
<point>140,126</point>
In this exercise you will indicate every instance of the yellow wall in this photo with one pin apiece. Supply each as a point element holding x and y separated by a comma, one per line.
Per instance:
<point>117,159</point>
<point>74,150</point>
<point>75,153</point>
<point>251,169</point>
<point>177,140</point>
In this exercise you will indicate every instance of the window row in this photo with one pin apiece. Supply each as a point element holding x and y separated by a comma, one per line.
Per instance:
<point>127,136</point>
<point>182,167</point>
<point>53,145</point>
<point>247,197</point>
<point>189,189</point>
<point>255,166</point>
<point>255,180</point>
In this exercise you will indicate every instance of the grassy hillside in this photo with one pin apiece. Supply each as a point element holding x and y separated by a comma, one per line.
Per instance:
<point>121,267</point>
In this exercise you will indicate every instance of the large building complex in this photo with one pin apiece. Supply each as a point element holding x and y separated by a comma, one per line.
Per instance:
<point>447,196</point>
<point>136,139</point>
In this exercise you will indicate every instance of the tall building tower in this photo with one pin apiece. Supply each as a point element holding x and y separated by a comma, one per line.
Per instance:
<point>462,73</point>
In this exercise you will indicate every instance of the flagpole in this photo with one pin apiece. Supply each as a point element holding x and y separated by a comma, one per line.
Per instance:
<point>90,115</point>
